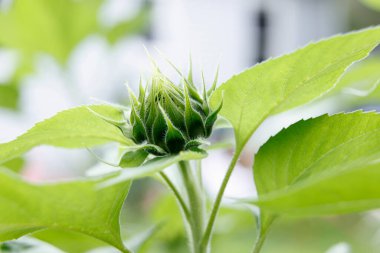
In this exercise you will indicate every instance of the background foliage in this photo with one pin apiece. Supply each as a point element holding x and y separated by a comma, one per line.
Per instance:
<point>56,28</point>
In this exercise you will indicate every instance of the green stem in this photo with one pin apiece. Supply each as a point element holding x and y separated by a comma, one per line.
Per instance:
<point>207,235</point>
<point>259,243</point>
<point>176,194</point>
<point>196,203</point>
<point>263,228</point>
<point>199,174</point>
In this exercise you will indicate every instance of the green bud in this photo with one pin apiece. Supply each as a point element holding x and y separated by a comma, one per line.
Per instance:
<point>169,119</point>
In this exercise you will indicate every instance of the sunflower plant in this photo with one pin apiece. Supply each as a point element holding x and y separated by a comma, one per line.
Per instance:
<point>327,165</point>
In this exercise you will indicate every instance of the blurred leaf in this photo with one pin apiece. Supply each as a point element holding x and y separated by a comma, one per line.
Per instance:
<point>151,167</point>
<point>234,230</point>
<point>222,123</point>
<point>137,242</point>
<point>27,245</point>
<point>73,128</point>
<point>361,83</point>
<point>172,224</point>
<point>325,165</point>
<point>16,165</point>
<point>130,26</point>
<point>289,81</point>
<point>365,83</point>
<point>53,27</point>
<point>9,95</point>
<point>363,76</point>
<point>76,206</point>
<point>56,27</point>
<point>373,4</point>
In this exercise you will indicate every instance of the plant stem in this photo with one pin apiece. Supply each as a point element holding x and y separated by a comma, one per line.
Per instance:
<point>197,206</point>
<point>199,174</point>
<point>259,242</point>
<point>176,194</point>
<point>207,235</point>
<point>263,228</point>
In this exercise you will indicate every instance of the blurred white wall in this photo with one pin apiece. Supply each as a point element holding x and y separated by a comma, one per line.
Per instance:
<point>213,32</point>
<point>294,23</point>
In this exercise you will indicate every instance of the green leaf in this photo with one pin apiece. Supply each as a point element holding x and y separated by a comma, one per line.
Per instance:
<point>363,82</point>
<point>362,77</point>
<point>53,27</point>
<point>76,206</point>
<point>360,85</point>
<point>291,80</point>
<point>9,95</point>
<point>60,26</point>
<point>110,113</point>
<point>133,158</point>
<point>373,4</point>
<point>325,165</point>
<point>69,241</point>
<point>151,167</point>
<point>74,128</point>
<point>16,165</point>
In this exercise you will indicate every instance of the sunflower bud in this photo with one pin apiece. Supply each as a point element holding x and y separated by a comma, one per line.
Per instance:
<point>167,119</point>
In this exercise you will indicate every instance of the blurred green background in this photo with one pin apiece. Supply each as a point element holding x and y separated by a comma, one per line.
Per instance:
<point>55,54</point>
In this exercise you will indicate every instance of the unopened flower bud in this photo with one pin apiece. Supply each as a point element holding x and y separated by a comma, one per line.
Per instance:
<point>169,118</point>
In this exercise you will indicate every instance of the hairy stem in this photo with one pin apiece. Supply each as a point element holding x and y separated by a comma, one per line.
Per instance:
<point>196,203</point>
<point>207,235</point>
